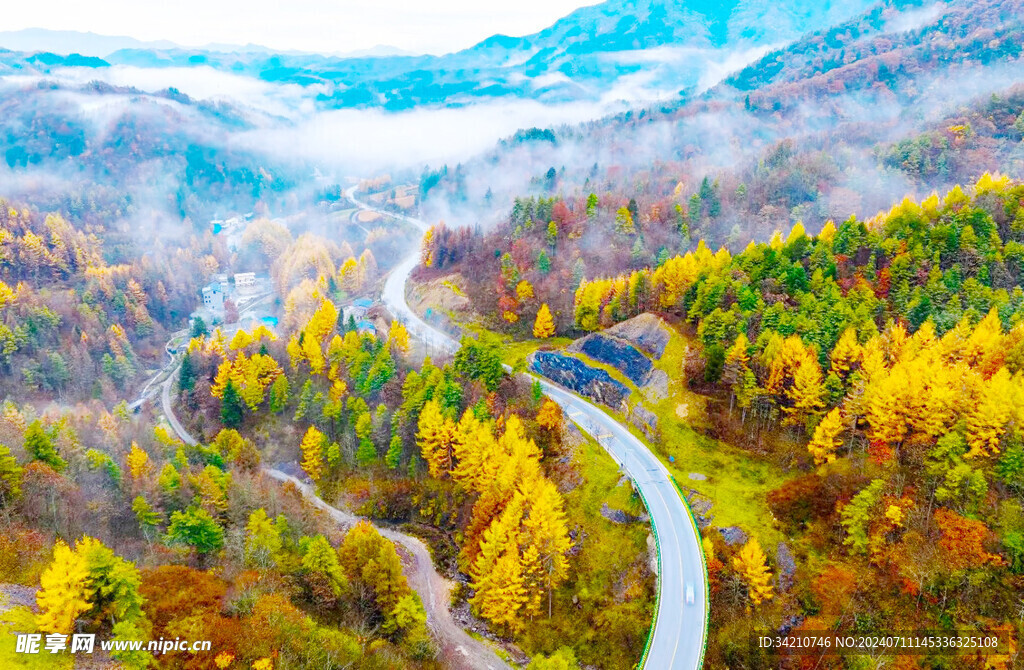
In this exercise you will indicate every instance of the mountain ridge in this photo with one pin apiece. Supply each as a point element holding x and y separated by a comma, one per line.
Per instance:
<point>672,46</point>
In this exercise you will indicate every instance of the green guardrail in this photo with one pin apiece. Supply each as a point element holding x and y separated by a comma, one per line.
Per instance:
<point>704,564</point>
<point>657,599</point>
<point>657,544</point>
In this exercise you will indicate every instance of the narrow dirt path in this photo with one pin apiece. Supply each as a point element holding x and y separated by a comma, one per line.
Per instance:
<point>458,649</point>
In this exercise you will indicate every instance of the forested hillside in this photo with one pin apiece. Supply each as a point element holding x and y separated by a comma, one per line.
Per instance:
<point>905,98</point>
<point>74,325</point>
<point>876,369</point>
<point>796,278</point>
<point>477,462</point>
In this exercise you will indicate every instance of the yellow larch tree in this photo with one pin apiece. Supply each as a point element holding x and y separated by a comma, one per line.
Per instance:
<point>323,322</point>
<point>751,564</point>
<point>547,532</point>
<point>312,453</point>
<point>474,447</point>
<point>544,326</point>
<point>138,462</point>
<point>498,572</point>
<point>846,353</point>
<point>987,420</point>
<point>893,341</point>
<point>886,406</point>
<point>807,391</point>
<point>216,342</point>
<point>509,464</point>
<point>399,337</point>
<point>241,340</point>
<point>738,353</point>
<point>261,333</point>
<point>873,358</point>
<point>251,377</point>
<point>309,345</point>
<point>737,368</point>
<point>828,231</point>
<point>313,354</point>
<point>337,391</point>
<point>260,372</point>
<point>524,290</point>
<point>349,277</point>
<point>434,437</point>
<point>63,594</point>
<point>825,440</point>
<point>221,379</point>
<point>984,340</point>
<point>294,350</point>
<point>427,248</point>
<point>502,593</point>
<point>783,358</point>
<point>550,415</point>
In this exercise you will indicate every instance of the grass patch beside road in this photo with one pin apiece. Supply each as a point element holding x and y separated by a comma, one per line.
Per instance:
<point>609,577</point>
<point>736,483</point>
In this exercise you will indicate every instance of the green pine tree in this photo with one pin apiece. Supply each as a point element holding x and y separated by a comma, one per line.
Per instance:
<point>231,406</point>
<point>187,376</point>
<point>39,445</point>
<point>305,400</point>
<point>279,394</point>
<point>10,476</point>
<point>367,453</point>
<point>394,455</point>
<point>197,529</point>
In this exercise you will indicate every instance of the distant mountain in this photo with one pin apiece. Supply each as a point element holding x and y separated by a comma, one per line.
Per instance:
<point>906,97</point>
<point>377,51</point>
<point>646,49</point>
<point>630,25</point>
<point>66,42</point>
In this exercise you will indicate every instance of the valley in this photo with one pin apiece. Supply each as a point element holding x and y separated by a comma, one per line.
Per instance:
<point>645,335</point>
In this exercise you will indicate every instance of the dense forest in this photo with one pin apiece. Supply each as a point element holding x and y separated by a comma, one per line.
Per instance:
<point>138,535</point>
<point>73,324</point>
<point>837,395</point>
<point>473,460</point>
<point>875,368</point>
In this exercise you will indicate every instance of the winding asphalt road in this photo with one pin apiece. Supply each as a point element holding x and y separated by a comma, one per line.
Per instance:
<point>680,628</point>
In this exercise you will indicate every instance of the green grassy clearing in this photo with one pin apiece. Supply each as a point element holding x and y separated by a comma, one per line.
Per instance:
<point>736,483</point>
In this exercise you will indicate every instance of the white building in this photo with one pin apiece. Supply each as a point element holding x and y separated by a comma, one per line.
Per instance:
<point>357,310</point>
<point>213,298</point>
<point>245,281</point>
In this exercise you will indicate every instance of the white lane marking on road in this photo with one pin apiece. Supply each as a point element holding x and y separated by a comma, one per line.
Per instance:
<point>679,553</point>
<point>600,423</point>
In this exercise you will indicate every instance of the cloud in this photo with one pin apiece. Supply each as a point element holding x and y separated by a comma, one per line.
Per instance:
<point>202,83</point>
<point>367,140</point>
<point>912,19</point>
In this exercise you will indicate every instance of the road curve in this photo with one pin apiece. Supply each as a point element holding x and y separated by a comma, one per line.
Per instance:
<point>679,634</point>
<point>394,289</point>
<point>165,401</point>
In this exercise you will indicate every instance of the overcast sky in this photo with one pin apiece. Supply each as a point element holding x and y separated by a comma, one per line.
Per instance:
<point>438,26</point>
